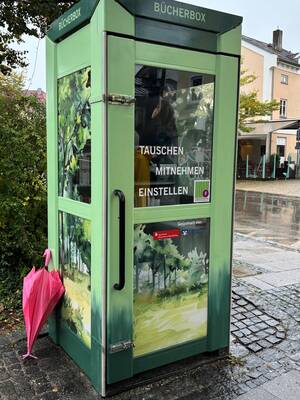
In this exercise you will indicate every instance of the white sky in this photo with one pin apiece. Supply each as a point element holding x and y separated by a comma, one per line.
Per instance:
<point>261,17</point>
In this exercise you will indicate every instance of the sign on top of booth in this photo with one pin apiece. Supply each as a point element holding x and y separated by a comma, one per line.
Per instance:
<point>169,11</point>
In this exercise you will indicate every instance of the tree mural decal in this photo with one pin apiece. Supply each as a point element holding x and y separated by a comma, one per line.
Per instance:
<point>74,135</point>
<point>75,264</point>
<point>170,285</point>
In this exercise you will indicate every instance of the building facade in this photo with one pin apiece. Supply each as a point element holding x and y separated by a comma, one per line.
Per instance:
<point>277,74</point>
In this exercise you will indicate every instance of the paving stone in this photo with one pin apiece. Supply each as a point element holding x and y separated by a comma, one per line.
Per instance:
<point>254,347</point>
<point>264,343</point>
<point>273,339</point>
<point>245,341</point>
<point>271,331</point>
<point>286,386</point>
<point>237,350</point>
<point>262,334</point>
<point>255,320</point>
<point>257,312</point>
<point>246,332</point>
<point>7,389</point>
<point>261,326</point>
<point>242,302</point>
<point>238,334</point>
<point>240,317</point>
<point>4,376</point>
<point>255,373</point>
<point>240,325</point>
<point>253,328</point>
<point>272,322</point>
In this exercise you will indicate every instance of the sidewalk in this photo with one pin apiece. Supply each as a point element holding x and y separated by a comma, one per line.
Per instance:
<point>265,351</point>
<point>289,187</point>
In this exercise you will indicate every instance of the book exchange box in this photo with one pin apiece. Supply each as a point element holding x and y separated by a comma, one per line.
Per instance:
<point>142,118</point>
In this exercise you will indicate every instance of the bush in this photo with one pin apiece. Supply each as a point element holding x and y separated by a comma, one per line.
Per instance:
<point>23,204</point>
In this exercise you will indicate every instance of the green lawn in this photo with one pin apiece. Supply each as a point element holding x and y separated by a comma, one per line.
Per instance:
<point>164,323</point>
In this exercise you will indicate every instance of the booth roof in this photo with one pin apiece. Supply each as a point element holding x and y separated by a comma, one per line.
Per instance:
<point>168,11</point>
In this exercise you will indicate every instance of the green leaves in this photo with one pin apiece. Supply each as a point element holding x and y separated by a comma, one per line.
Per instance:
<point>25,17</point>
<point>23,211</point>
<point>251,108</point>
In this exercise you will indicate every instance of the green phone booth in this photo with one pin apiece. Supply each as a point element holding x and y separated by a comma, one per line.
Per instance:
<point>142,118</point>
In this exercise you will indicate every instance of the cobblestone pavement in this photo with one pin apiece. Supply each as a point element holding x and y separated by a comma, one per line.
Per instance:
<point>265,345</point>
<point>264,362</point>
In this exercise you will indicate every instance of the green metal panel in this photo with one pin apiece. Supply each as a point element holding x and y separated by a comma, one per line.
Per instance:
<point>52,163</point>
<point>168,57</point>
<point>74,207</point>
<point>74,53</point>
<point>64,58</point>
<point>230,42</point>
<point>170,355</point>
<point>72,19</point>
<point>183,14</point>
<point>117,19</point>
<point>97,110</point>
<point>120,176</point>
<point>222,191</point>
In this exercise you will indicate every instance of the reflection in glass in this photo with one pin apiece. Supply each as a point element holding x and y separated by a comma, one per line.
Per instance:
<point>173,136</point>
<point>74,136</point>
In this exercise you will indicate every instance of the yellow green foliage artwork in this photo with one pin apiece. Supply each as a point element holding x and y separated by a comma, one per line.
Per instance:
<point>75,264</point>
<point>74,135</point>
<point>171,261</point>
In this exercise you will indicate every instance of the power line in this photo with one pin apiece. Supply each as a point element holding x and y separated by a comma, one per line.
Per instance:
<point>35,64</point>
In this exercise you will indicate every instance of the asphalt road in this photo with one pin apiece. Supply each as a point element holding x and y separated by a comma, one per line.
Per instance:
<point>269,217</point>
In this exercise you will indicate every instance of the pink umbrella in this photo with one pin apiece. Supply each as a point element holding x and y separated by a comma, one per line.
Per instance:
<point>41,292</point>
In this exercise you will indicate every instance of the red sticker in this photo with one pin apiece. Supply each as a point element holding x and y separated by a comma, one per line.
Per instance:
<point>169,234</point>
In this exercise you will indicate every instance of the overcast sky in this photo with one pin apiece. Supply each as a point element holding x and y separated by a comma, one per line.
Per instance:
<point>261,17</point>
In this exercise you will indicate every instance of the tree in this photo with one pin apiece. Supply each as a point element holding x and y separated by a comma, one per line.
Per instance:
<point>18,18</point>
<point>250,106</point>
<point>23,192</point>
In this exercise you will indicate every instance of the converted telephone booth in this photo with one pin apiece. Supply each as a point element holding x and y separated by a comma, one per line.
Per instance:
<point>142,115</point>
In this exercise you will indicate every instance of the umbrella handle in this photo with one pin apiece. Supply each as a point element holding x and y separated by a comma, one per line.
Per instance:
<point>47,256</point>
<point>29,355</point>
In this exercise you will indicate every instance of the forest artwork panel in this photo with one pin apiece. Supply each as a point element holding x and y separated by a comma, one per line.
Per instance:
<point>75,266</point>
<point>74,136</point>
<point>171,264</point>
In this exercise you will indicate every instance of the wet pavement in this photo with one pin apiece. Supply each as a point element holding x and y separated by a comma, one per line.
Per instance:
<point>264,360</point>
<point>264,356</point>
<point>274,218</point>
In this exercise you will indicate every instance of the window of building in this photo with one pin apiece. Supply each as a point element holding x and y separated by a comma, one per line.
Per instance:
<point>284,79</point>
<point>283,108</point>
<point>281,144</point>
<point>263,150</point>
<point>281,150</point>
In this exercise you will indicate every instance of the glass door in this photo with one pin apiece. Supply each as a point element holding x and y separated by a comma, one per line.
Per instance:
<point>174,113</point>
<point>164,157</point>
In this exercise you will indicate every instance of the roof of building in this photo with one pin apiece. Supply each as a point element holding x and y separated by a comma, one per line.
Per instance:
<point>285,56</point>
<point>261,129</point>
<point>38,93</point>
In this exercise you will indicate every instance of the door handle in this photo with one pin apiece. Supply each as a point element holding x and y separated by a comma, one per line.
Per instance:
<point>121,196</point>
